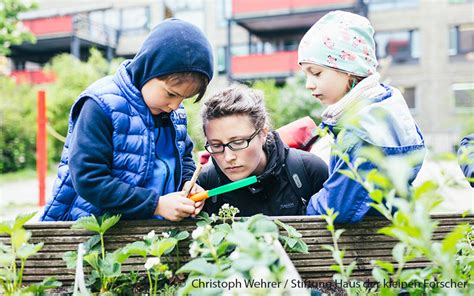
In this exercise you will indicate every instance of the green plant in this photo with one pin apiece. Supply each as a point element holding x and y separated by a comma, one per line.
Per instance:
<point>289,102</point>
<point>19,250</point>
<point>18,136</point>
<point>242,251</point>
<point>106,275</point>
<point>72,77</point>
<point>408,209</point>
<point>152,249</point>
<point>228,212</point>
<point>13,31</point>
<point>293,242</point>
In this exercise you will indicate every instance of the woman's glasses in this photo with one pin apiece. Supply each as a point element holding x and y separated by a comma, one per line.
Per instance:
<point>233,145</point>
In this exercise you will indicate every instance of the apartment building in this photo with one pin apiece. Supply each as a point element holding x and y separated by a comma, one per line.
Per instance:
<point>115,27</point>
<point>426,48</point>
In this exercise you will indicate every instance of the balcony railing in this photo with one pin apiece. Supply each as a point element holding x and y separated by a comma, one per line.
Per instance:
<point>32,76</point>
<point>51,25</point>
<point>243,7</point>
<point>281,63</point>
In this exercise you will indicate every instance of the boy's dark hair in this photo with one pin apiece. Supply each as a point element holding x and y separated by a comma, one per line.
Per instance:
<point>193,78</point>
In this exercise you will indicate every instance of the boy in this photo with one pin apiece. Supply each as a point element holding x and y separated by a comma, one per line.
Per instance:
<point>127,150</point>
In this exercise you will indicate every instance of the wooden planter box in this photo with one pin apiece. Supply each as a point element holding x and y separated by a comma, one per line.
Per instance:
<point>361,242</point>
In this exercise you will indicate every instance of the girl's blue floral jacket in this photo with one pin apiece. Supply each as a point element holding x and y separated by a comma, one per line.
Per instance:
<point>385,123</point>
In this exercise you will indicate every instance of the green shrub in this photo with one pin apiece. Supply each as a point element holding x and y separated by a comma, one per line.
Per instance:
<point>72,77</point>
<point>290,102</point>
<point>17,125</point>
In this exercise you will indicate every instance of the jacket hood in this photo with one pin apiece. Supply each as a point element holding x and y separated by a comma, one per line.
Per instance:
<point>384,121</point>
<point>172,46</point>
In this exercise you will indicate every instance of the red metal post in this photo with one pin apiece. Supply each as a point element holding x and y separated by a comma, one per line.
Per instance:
<point>41,152</point>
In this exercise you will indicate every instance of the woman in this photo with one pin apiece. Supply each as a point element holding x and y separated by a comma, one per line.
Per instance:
<point>237,130</point>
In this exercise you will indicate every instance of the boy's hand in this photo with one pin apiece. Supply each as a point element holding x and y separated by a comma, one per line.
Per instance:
<point>175,206</point>
<point>196,189</point>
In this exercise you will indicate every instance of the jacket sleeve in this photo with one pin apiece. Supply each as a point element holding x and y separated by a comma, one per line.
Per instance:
<point>90,164</point>
<point>467,146</point>
<point>342,194</point>
<point>188,163</point>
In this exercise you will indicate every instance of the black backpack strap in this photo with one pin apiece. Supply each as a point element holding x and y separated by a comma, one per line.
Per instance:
<point>213,180</point>
<point>298,176</point>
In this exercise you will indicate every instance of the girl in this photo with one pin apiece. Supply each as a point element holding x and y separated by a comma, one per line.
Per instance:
<point>338,58</point>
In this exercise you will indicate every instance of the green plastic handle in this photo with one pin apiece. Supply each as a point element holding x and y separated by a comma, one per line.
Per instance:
<point>232,186</point>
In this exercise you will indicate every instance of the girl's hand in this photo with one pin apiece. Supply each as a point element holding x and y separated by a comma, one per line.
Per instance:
<point>175,206</point>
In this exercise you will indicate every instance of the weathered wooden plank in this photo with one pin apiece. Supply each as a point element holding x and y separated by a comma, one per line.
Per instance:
<point>361,242</point>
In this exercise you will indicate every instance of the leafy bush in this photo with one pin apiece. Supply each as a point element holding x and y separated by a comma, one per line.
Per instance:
<point>240,251</point>
<point>290,102</point>
<point>450,260</point>
<point>72,77</point>
<point>17,125</point>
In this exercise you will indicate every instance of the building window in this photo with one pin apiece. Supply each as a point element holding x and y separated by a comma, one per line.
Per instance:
<point>224,11</point>
<point>221,60</point>
<point>409,93</point>
<point>460,1</point>
<point>463,94</point>
<point>402,46</point>
<point>461,39</point>
<point>375,5</point>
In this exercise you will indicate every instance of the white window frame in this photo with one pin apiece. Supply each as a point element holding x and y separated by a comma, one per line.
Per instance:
<point>461,86</point>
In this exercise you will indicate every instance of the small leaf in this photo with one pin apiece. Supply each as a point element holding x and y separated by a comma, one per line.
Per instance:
<point>70,257</point>
<point>383,264</point>
<point>376,195</point>
<point>87,223</point>
<point>6,259</point>
<point>91,243</point>
<point>450,241</point>
<point>199,267</point>
<point>93,259</point>
<point>108,222</point>
<point>350,268</point>
<point>20,237</point>
<point>182,235</point>
<point>338,233</point>
<point>5,227</point>
<point>20,220</point>
<point>217,237</point>
<point>292,242</point>
<point>398,252</point>
<point>136,248</point>
<point>379,275</point>
<point>26,250</point>
<point>328,247</point>
<point>160,247</point>
<point>335,267</point>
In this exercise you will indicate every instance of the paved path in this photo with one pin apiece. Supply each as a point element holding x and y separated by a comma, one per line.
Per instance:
<point>22,197</point>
